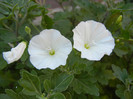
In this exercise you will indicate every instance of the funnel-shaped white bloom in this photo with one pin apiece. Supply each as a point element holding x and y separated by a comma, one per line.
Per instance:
<point>49,49</point>
<point>15,53</point>
<point>93,40</point>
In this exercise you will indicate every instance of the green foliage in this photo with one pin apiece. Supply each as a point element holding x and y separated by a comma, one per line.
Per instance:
<point>47,85</point>
<point>4,96</point>
<point>120,74</point>
<point>124,91</point>
<point>83,85</point>
<point>46,22</point>
<point>110,78</point>
<point>57,96</point>
<point>105,74</point>
<point>30,83</point>
<point>62,82</point>
<point>12,94</point>
<point>3,63</point>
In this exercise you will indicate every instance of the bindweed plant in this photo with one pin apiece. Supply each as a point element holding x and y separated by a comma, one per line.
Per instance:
<point>83,52</point>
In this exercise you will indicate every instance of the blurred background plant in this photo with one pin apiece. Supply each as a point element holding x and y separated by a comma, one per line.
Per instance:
<point>110,78</point>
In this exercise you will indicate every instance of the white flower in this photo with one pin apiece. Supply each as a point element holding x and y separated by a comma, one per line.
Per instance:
<point>93,40</point>
<point>15,53</point>
<point>49,49</point>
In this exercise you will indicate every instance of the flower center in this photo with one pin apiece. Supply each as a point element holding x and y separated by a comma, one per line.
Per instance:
<point>86,46</point>
<point>51,52</point>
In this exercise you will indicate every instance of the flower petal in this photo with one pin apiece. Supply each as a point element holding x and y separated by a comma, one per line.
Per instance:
<point>96,36</point>
<point>92,54</point>
<point>15,53</point>
<point>40,46</point>
<point>47,61</point>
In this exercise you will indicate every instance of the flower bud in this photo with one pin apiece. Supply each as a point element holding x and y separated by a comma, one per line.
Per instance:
<point>118,40</point>
<point>27,30</point>
<point>119,19</point>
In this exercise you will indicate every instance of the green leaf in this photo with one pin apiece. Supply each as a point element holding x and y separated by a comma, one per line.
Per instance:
<point>3,9</point>
<point>32,7</point>
<point>47,85</point>
<point>62,15</point>
<point>3,63</point>
<point>122,75</point>
<point>125,34</point>
<point>62,82</point>
<point>57,96</point>
<point>111,21</point>
<point>26,96</point>
<point>7,78</point>
<point>128,6</point>
<point>120,91</point>
<point>105,74</point>
<point>82,84</point>
<point>64,26</point>
<point>127,94</point>
<point>3,47</point>
<point>46,74</point>
<point>20,3</point>
<point>2,17</point>
<point>120,52</point>
<point>4,96</point>
<point>46,22</point>
<point>68,95</point>
<point>7,36</point>
<point>30,83</point>
<point>77,65</point>
<point>20,95</point>
<point>89,10</point>
<point>80,96</point>
<point>25,55</point>
<point>12,94</point>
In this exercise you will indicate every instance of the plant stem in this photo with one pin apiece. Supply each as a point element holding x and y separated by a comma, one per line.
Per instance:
<point>123,39</point>
<point>105,16</point>
<point>23,19</point>
<point>129,61</point>
<point>33,25</point>
<point>16,23</point>
<point>17,26</point>
<point>7,27</point>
